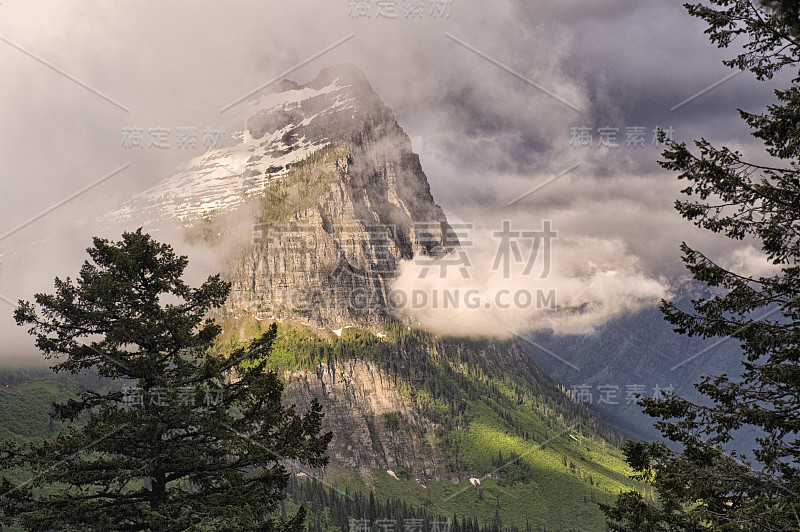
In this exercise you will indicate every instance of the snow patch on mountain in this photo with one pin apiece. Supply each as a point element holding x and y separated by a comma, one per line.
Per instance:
<point>224,178</point>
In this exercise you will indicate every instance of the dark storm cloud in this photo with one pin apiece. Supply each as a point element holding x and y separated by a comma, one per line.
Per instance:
<point>649,59</point>
<point>485,136</point>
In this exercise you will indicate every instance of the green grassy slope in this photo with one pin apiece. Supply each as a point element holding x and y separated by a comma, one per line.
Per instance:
<point>543,461</point>
<point>25,404</point>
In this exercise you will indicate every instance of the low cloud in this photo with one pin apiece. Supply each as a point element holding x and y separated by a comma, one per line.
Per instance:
<point>487,289</point>
<point>750,262</point>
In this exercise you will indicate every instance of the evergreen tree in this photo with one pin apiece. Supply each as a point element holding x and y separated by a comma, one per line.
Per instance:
<point>193,440</point>
<point>705,486</point>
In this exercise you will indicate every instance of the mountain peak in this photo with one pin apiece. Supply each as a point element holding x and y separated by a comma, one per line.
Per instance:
<point>347,74</point>
<point>331,178</point>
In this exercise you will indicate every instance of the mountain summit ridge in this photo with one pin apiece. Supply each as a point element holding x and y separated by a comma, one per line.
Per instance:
<point>333,190</point>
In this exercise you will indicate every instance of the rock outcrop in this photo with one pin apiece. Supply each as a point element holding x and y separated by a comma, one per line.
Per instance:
<point>374,425</point>
<point>331,232</point>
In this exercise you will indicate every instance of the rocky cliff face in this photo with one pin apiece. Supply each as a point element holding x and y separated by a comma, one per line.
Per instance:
<point>374,425</point>
<point>388,419</point>
<point>331,260</point>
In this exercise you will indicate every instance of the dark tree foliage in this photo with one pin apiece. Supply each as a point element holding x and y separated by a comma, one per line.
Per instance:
<point>705,486</point>
<point>332,509</point>
<point>194,441</point>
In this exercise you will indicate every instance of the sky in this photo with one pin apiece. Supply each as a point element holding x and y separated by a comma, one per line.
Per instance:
<point>492,96</point>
